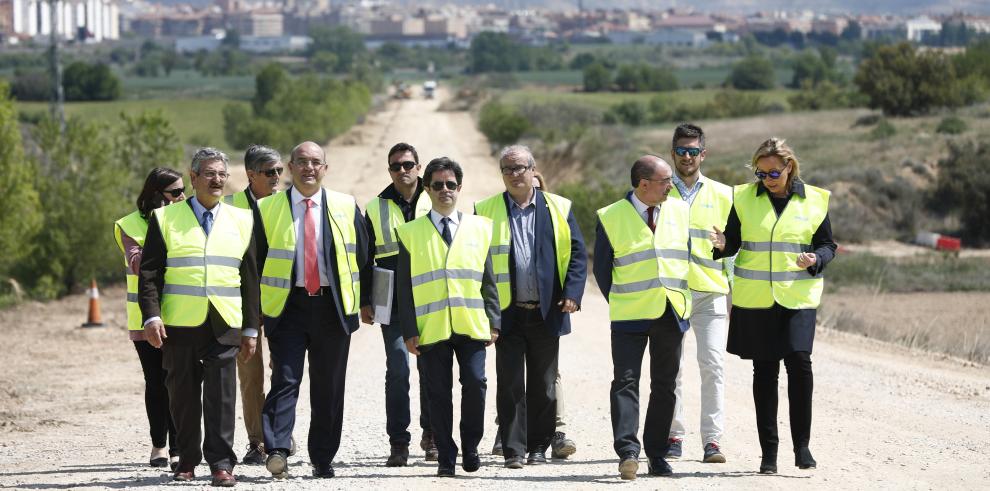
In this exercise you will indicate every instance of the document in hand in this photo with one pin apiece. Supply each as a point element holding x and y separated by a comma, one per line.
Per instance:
<point>381,295</point>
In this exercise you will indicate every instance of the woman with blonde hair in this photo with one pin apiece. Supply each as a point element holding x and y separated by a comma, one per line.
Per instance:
<point>780,228</point>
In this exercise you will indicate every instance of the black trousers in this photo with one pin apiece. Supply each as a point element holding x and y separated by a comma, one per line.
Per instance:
<point>526,366</point>
<point>397,414</point>
<point>664,337</point>
<point>438,365</point>
<point>202,383</point>
<point>156,397</point>
<point>800,384</point>
<point>307,324</point>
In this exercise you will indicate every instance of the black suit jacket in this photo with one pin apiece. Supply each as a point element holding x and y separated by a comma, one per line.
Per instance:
<point>151,280</point>
<point>350,323</point>
<point>546,270</point>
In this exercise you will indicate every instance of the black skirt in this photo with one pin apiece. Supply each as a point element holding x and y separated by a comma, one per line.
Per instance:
<point>770,334</point>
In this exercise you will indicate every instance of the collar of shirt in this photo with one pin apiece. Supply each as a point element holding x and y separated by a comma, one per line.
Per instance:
<point>297,198</point>
<point>198,209</point>
<point>454,217</point>
<point>514,205</point>
<point>797,187</point>
<point>640,206</point>
<point>682,188</point>
<point>251,193</point>
<point>393,194</point>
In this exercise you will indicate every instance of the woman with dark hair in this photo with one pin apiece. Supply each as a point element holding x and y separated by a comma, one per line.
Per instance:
<point>163,186</point>
<point>780,227</point>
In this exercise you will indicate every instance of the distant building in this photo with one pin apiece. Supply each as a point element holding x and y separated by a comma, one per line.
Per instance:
<point>661,37</point>
<point>84,20</point>
<point>920,27</point>
<point>260,23</point>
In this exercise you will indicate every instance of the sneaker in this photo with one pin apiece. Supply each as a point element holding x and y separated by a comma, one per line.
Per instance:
<point>562,446</point>
<point>674,450</point>
<point>255,455</point>
<point>713,454</point>
<point>497,447</point>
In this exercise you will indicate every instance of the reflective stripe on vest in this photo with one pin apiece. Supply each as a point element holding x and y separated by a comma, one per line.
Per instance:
<point>494,208</point>
<point>711,207</point>
<point>201,270</point>
<point>135,227</point>
<point>446,282</point>
<point>649,268</point>
<point>386,216</point>
<point>766,266</point>
<point>276,215</point>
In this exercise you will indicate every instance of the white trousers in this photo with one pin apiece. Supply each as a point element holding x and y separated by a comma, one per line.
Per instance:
<point>710,327</point>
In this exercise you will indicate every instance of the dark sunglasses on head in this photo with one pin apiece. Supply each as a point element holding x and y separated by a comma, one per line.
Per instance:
<point>438,186</point>
<point>774,174</point>
<point>692,151</point>
<point>274,171</point>
<point>407,165</point>
<point>174,192</point>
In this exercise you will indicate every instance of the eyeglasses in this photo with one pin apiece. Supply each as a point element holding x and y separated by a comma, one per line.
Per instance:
<point>516,170</point>
<point>212,175</point>
<point>304,163</point>
<point>174,192</point>
<point>438,186</point>
<point>407,165</point>
<point>274,171</point>
<point>774,174</point>
<point>692,151</point>
<point>667,180</point>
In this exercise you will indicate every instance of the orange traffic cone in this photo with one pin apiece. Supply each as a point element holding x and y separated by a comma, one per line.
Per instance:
<point>94,319</point>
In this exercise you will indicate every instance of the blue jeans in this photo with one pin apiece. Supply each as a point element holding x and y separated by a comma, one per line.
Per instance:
<point>397,415</point>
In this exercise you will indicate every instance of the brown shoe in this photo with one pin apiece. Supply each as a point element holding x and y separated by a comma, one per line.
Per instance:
<point>183,475</point>
<point>223,478</point>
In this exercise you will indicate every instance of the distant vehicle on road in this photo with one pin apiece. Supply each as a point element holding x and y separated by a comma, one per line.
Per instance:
<point>429,88</point>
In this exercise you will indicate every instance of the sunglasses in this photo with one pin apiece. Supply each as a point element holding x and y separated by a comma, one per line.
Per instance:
<point>174,192</point>
<point>438,186</point>
<point>407,165</point>
<point>692,151</point>
<point>274,171</point>
<point>774,174</point>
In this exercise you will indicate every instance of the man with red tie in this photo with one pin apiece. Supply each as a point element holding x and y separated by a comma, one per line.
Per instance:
<point>315,250</point>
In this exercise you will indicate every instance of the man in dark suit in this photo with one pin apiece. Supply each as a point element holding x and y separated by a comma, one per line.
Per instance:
<point>315,247</point>
<point>198,293</point>
<point>641,266</point>
<point>541,267</point>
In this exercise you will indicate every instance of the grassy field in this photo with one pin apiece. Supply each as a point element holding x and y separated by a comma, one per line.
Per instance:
<point>603,100</point>
<point>687,77</point>
<point>182,84</point>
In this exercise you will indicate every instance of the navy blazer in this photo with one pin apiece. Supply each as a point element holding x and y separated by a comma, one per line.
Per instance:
<point>604,257</point>
<point>350,323</point>
<point>546,270</point>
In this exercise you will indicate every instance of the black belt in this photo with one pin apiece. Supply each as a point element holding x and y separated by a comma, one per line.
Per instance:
<point>324,290</point>
<point>528,305</point>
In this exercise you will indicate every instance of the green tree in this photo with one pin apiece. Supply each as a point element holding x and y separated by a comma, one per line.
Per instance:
<point>627,78</point>
<point>752,73</point>
<point>20,208</point>
<point>492,52</point>
<point>344,43</point>
<point>963,188</point>
<point>146,141</point>
<point>582,60</point>
<point>271,79</point>
<point>815,67</point>
<point>596,77</point>
<point>232,39</point>
<point>502,124</point>
<point>86,82</point>
<point>903,82</point>
<point>170,59</point>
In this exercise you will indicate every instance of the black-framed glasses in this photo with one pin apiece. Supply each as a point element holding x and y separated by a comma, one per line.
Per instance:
<point>774,174</point>
<point>516,170</point>
<point>304,163</point>
<point>406,165</point>
<point>666,180</point>
<point>438,186</point>
<point>274,171</point>
<point>692,151</point>
<point>174,192</point>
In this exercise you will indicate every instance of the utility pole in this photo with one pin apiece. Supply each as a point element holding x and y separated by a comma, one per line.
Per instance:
<point>58,94</point>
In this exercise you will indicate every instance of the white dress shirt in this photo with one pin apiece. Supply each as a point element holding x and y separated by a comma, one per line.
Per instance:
<point>298,220</point>
<point>455,220</point>
<point>642,207</point>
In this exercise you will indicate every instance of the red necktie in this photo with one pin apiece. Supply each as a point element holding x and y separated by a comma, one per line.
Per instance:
<point>649,218</point>
<point>312,269</point>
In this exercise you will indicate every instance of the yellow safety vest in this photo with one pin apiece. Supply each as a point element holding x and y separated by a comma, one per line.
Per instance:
<point>649,268</point>
<point>276,276</point>
<point>446,281</point>
<point>766,267</point>
<point>494,207</point>
<point>239,200</point>
<point>711,207</point>
<point>135,227</point>
<point>386,216</point>
<point>201,270</point>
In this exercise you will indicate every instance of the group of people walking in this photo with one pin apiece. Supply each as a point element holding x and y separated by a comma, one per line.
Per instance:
<point>208,274</point>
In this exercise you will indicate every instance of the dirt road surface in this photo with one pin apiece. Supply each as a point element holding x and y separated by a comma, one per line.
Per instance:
<point>72,416</point>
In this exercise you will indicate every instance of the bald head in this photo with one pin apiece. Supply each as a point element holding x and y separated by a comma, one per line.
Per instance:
<point>309,148</point>
<point>645,167</point>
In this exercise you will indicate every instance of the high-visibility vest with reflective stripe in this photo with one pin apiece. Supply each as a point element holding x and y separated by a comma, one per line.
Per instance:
<point>135,227</point>
<point>494,207</point>
<point>649,268</point>
<point>446,281</point>
<point>201,270</point>
<point>239,200</point>
<point>276,215</point>
<point>711,207</point>
<point>766,266</point>
<point>386,216</point>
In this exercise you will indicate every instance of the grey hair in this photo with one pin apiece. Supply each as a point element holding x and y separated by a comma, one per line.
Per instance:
<point>259,155</point>
<point>517,150</point>
<point>208,154</point>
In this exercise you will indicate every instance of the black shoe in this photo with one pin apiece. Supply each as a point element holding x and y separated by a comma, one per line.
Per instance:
<point>803,459</point>
<point>513,462</point>
<point>768,465</point>
<point>659,467</point>
<point>323,471</point>
<point>445,472</point>
<point>497,447</point>
<point>537,457</point>
<point>470,462</point>
<point>255,454</point>
<point>399,457</point>
<point>278,463</point>
<point>426,440</point>
<point>159,462</point>
<point>674,449</point>
<point>292,445</point>
<point>430,450</point>
<point>562,446</point>
<point>628,466</point>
